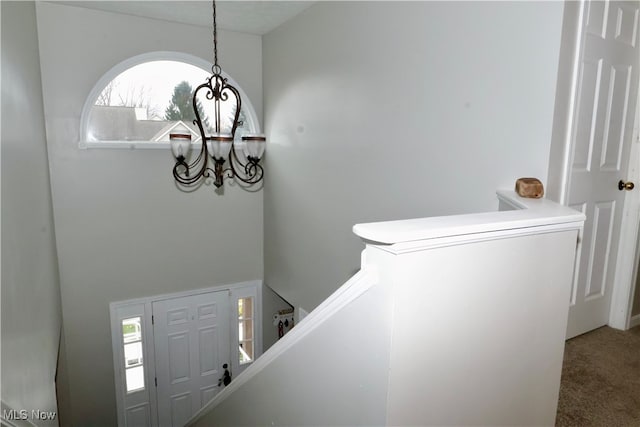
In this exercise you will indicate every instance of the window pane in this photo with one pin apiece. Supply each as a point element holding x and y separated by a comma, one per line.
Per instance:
<point>245,330</point>
<point>131,329</point>
<point>135,379</point>
<point>143,102</point>
<point>246,352</point>
<point>245,308</point>
<point>146,101</point>
<point>133,354</point>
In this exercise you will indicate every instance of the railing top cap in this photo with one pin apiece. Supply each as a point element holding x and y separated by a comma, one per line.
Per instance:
<point>525,213</point>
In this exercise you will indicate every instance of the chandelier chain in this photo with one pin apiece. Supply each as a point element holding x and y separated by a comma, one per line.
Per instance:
<point>215,38</point>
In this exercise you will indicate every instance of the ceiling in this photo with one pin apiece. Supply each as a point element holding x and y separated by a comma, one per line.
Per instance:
<point>253,17</point>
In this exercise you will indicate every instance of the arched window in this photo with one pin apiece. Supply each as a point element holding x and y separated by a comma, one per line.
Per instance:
<point>139,101</point>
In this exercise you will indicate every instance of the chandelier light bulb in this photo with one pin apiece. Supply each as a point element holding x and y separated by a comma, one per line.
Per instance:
<point>180,138</point>
<point>254,145</point>
<point>219,145</point>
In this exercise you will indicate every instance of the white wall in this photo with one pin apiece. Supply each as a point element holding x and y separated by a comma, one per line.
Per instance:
<point>389,110</point>
<point>30,282</point>
<point>124,229</point>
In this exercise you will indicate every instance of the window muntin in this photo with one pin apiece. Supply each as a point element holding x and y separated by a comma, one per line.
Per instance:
<point>129,106</point>
<point>133,354</point>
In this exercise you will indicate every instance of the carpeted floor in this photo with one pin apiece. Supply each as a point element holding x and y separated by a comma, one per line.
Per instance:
<point>601,380</point>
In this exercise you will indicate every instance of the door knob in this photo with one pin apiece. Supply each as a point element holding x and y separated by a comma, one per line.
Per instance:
<point>226,377</point>
<point>625,185</point>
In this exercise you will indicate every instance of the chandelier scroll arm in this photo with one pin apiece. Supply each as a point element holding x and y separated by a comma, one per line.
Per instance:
<point>253,171</point>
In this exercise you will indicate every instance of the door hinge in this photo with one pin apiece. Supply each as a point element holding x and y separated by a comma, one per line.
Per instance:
<point>156,381</point>
<point>153,321</point>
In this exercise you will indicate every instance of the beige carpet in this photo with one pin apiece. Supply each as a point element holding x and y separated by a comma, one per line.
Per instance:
<point>601,379</point>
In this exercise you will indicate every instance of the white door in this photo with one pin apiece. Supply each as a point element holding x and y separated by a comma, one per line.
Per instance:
<point>192,343</point>
<point>606,99</point>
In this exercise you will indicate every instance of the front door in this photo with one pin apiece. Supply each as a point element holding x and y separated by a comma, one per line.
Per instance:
<point>605,108</point>
<point>192,343</point>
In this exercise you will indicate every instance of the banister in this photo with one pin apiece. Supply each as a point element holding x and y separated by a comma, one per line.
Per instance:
<point>523,213</point>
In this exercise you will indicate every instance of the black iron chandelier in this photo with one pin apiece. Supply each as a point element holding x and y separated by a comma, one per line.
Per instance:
<point>216,105</point>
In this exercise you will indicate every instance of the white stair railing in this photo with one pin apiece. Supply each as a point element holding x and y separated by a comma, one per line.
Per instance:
<point>452,320</point>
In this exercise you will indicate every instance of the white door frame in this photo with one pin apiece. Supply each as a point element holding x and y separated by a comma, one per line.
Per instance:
<point>143,307</point>
<point>560,162</point>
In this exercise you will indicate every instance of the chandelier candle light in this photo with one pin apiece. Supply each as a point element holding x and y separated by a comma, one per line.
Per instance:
<point>217,142</point>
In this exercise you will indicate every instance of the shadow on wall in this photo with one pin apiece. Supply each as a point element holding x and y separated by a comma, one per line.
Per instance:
<point>273,305</point>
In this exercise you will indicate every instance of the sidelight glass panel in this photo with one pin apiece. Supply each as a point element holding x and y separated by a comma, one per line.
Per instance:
<point>133,353</point>
<point>246,352</point>
<point>135,379</point>
<point>245,308</point>
<point>131,329</point>
<point>245,330</point>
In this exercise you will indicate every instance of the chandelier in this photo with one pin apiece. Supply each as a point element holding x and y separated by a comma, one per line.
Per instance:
<point>217,106</point>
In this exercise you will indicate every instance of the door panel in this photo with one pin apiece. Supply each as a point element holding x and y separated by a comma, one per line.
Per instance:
<point>178,349</point>
<point>138,416</point>
<point>180,409</point>
<point>602,231</point>
<point>191,336</point>
<point>606,94</point>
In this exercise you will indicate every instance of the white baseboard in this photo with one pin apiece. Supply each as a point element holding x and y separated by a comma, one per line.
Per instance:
<point>635,321</point>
